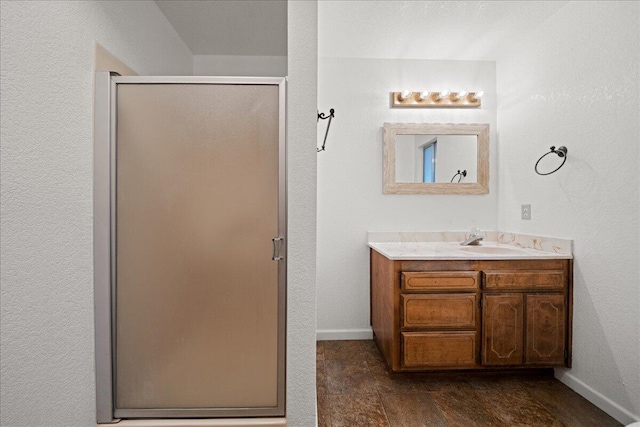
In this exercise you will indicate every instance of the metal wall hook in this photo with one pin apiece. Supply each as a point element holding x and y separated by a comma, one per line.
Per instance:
<point>323,117</point>
<point>561,152</point>
<point>460,175</point>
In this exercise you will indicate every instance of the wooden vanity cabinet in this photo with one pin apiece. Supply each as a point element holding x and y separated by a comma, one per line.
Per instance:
<point>471,314</point>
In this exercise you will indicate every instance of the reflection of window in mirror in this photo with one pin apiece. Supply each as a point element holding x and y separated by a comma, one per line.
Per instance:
<point>429,161</point>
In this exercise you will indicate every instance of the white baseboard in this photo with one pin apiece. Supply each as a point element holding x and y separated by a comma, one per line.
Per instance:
<point>601,401</point>
<point>344,334</point>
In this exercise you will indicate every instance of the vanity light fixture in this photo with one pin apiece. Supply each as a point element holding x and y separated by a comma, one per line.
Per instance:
<point>478,95</point>
<point>460,95</point>
<point>436,99</point>
<point>405,95</point>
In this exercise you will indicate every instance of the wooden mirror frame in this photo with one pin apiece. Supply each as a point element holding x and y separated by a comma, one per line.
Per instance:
<point>390,185</point>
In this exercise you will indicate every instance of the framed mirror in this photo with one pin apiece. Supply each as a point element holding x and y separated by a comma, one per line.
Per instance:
<point>424,158</point>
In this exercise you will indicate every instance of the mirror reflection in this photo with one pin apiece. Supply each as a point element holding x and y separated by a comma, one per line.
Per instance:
<point>436,158</point>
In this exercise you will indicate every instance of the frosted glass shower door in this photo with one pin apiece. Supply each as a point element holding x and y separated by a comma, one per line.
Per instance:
<point>199,299</point>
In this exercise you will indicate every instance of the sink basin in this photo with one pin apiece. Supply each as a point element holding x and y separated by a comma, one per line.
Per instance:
<point>491,250</point>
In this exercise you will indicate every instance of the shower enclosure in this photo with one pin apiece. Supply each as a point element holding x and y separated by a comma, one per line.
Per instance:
<point>189,247</point>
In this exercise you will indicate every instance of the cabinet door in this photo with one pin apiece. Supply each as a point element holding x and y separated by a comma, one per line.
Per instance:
<point>545,329</point>
<point>502,329</point>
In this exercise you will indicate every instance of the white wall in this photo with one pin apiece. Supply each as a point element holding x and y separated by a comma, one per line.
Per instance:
<point>433,29</point>
<point>574,81</point>
<point>239,65</point>
<point>301,180</point>
<point>47,360</point>
<point>350,199</point>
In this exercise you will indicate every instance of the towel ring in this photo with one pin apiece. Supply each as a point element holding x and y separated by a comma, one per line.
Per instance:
<point>561,152</point>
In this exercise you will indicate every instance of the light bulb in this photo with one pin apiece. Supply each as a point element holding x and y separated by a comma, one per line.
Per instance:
<point>405,94</point>
<point>461,94</point>
<point>425,95</point>
<point>476,96</point>
<point>444,94</point>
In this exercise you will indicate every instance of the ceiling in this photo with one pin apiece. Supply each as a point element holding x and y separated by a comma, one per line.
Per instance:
<point>220,27</point>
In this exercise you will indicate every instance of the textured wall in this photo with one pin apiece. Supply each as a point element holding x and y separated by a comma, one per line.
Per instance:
<point>301,176</point>
<point>238,65</point>
<point>47,354</point>
<point>350,199</point>
<point>426,29</point>
<point>574,81</point>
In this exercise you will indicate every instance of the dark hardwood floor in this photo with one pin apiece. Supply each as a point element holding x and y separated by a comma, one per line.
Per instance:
<point>355,389</point>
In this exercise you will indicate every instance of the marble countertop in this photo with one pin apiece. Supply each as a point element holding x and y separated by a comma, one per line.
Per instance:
<point>446,246</point>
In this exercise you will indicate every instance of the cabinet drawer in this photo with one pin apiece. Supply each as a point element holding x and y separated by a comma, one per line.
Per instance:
<point>525,279</point>
<point>437,349</point>
<point>436,310</point>
<point>438,281</point>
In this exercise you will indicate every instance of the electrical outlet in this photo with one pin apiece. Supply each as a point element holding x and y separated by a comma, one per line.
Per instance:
<point>525,211</point>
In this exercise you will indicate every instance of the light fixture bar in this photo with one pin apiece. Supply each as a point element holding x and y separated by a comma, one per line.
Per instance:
<point>436,99</point>
<point>405,94</point>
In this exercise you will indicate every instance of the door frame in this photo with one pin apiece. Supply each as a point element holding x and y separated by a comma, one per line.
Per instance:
<point>104,244</point>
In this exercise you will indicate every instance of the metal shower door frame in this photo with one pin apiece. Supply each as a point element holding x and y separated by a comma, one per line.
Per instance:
<point>104,247</point>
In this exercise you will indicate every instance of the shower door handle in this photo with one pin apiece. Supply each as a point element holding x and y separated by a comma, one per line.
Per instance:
<point>275,241</point>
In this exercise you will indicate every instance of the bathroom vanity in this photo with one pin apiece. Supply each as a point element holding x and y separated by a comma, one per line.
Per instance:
<point>442,306</point>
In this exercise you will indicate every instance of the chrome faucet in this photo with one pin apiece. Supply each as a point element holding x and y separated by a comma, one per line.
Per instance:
<point>474,238</point>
